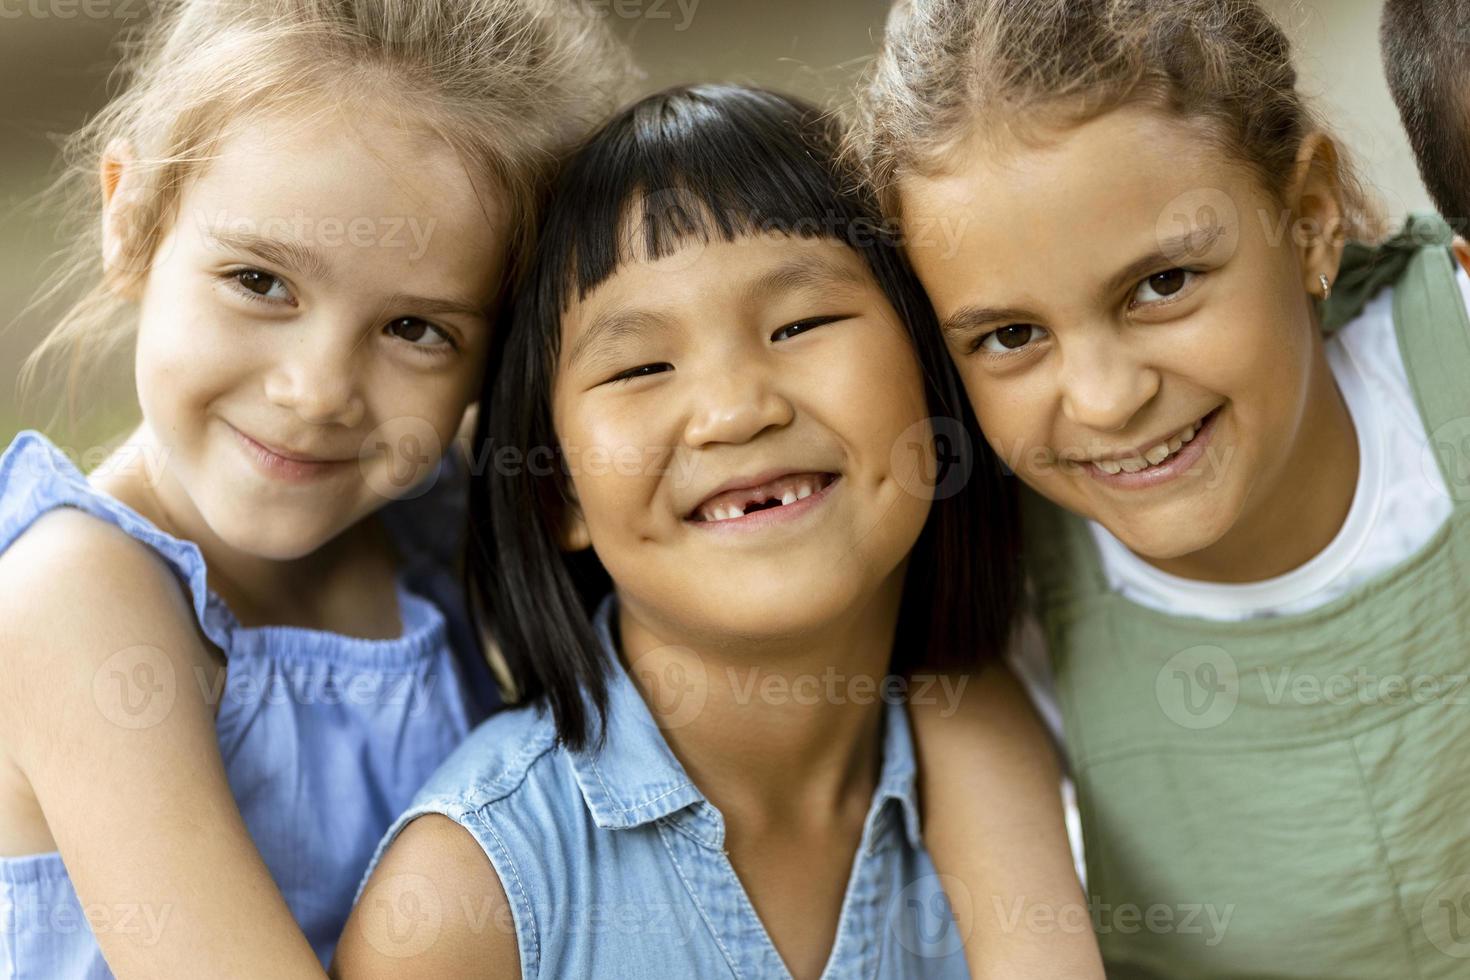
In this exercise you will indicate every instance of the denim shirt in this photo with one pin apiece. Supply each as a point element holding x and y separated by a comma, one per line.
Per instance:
<point>613,862</point>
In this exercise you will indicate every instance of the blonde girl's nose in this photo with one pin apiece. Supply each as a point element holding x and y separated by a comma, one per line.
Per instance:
<point>319,383</point>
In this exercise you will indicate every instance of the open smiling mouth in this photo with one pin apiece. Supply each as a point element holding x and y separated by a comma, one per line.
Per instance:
<point>792,492</point>
<point>1160,463</point>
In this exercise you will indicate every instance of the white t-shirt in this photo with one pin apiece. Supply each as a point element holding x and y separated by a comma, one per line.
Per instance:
<point>1400,502</point>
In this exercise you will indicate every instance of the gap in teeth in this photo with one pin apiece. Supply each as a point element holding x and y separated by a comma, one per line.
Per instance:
<point>800,490</point>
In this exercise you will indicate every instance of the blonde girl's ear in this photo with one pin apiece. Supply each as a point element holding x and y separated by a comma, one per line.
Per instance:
<point>118,221</point>
<point>1315,199</point>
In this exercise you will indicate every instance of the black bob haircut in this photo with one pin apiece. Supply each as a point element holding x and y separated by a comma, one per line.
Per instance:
<point>700,163</point>
<point>1426,56</point>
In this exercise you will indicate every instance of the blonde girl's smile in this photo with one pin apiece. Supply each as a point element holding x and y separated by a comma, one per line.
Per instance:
<point>291,465</point>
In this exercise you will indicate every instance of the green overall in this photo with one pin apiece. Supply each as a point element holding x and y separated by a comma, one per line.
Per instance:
<point>1289,796</point>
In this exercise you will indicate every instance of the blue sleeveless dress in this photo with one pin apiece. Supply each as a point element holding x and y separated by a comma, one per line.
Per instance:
<point>325,738</point>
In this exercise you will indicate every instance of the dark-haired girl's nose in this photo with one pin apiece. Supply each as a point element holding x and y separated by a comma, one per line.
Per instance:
<point>735,407</point>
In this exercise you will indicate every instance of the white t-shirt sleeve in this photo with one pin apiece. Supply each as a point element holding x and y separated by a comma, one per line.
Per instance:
<point>1028,660</point>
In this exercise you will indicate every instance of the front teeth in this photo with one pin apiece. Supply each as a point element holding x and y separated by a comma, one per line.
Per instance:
<point>1153,457</point>
<point>791,495</point>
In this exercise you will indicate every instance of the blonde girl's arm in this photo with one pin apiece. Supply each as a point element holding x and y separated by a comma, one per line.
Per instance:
<point>994,826</point>
<point>135,795</point>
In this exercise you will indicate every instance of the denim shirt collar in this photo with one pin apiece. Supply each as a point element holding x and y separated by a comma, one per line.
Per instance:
<point>634,779</point>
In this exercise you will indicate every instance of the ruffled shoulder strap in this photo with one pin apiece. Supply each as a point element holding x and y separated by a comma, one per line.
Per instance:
<point>36,477</point>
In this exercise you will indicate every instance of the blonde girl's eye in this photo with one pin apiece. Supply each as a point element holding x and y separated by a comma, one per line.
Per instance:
<point>420,333</point>
<point>1161,287</point>
<point>261,285</point>
<point>1011,338</point>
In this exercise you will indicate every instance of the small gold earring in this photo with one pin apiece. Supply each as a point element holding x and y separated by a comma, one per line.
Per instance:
<point>1326,287</point>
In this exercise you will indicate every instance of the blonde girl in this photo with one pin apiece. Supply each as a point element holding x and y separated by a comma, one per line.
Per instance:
<point>233,652</point>
<point>1245,524</point>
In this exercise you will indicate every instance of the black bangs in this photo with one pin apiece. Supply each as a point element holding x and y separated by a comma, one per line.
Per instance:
<point>696,165</point>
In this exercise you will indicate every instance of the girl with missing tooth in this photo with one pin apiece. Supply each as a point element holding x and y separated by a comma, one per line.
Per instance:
<point>1247,530</point>
<point>641,816</point>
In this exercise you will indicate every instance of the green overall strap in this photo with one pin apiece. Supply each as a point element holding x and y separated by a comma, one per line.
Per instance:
<point>1434,337</point>
<point>1367,270</point>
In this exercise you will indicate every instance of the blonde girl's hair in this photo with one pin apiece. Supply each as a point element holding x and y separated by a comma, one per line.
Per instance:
<point>510,85</point>
<point>950,69</point>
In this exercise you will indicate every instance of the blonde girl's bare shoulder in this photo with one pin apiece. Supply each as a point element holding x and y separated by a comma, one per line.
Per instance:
<point>75,593</point>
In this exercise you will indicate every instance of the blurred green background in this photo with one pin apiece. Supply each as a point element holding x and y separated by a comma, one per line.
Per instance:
<point>56,56</point>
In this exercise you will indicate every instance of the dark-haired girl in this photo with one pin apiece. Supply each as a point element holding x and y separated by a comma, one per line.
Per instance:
<point>717,551</point>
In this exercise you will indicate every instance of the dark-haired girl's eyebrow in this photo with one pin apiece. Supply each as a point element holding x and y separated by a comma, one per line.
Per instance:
<point>614,325</point>
<point>804,272</point>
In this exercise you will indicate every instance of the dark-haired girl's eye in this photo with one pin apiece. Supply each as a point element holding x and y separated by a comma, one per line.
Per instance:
<point>641,371</point>
<point>1163,286</point>
<point>1011,337</point>
<point>802,326</point>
